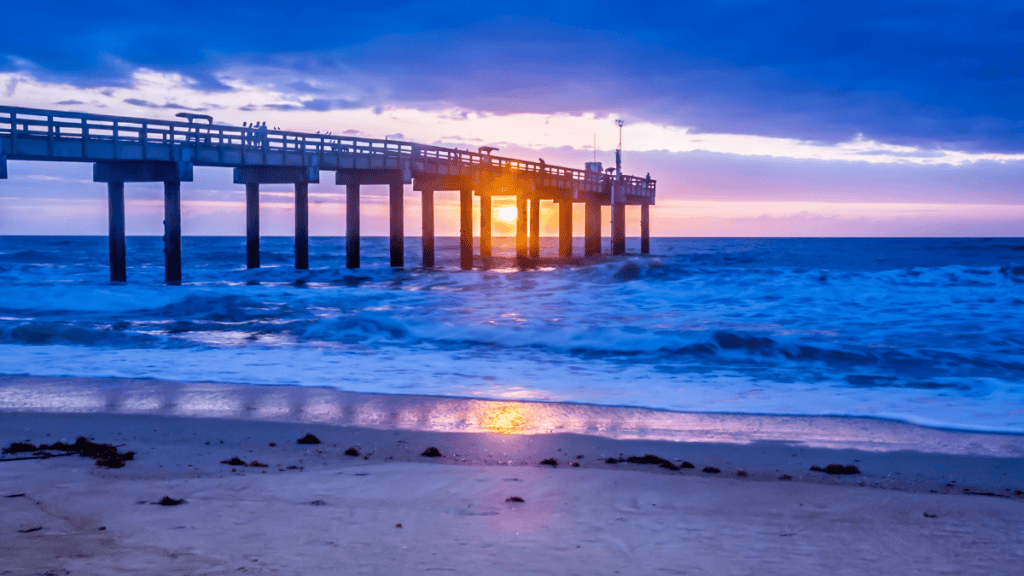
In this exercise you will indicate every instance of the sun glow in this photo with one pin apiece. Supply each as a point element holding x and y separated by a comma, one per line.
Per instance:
<point>505,418</point>
<point>506,213</point>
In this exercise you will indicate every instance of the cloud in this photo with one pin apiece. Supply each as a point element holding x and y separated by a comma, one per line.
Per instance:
<point>167,105</point>
<point>941,74</point>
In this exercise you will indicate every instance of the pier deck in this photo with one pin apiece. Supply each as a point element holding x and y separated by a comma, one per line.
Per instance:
<point>125,149</point>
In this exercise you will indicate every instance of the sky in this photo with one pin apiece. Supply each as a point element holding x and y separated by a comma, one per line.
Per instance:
<point>894,118</point>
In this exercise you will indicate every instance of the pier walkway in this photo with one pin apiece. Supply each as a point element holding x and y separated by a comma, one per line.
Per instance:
<point>125,149</point>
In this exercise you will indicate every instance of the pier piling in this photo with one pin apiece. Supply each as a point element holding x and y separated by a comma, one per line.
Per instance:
<point>302,226</point>
<point>645,228</point>
<point>592,227</point>
<point>535,227</point>
<point>428,227</point>
<point>521,226</point>
<point>485,229</point>
<point>252,225</point>
<point>466,229</point>
<point>396,201</point>
<point>565,229</point>
<point>172,233</point>
<point>115,205</point>
<point>352,225</point>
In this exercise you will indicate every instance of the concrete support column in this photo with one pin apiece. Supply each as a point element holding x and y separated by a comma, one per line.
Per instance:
<point>252,225</point>
<point>485,229</point>
<point>302,226</point>
<point>618,220</point>
<point>396,200</point>
<point>466,229</point>
<point>520,226</point>
<point>565,229</point>
<point>172,232</point>
<point>592,227</point>
<point>645,228</point>
<point>535,228</point>
<point>352,225</point>
<point>115,204</point>
<point>428,228</point>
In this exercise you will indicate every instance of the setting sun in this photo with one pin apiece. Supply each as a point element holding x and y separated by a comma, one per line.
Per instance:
<point>506,213</point>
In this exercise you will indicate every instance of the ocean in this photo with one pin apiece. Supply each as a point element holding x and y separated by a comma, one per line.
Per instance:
<point>925,331</point>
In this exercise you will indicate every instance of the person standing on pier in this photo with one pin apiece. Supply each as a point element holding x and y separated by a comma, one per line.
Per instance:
<point>263,135</point>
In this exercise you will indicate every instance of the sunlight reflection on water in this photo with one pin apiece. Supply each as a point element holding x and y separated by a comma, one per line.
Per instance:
<point>501,417</point>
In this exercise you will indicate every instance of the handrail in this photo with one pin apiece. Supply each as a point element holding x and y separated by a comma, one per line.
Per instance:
<point>58,125</point>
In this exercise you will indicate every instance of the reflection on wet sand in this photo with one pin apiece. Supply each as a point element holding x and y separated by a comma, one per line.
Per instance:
<point>502,417</point>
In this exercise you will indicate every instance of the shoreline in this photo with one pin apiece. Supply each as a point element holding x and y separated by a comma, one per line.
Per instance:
<point>433,413</point>
<point>293,508</point>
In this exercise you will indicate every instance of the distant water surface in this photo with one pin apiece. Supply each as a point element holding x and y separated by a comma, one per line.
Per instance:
<point>929,331</point>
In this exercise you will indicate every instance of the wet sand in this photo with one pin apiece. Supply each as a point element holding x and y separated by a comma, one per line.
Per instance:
<point>313,509</point>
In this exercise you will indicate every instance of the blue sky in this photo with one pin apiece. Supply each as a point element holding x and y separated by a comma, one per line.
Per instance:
<point>859,104</point>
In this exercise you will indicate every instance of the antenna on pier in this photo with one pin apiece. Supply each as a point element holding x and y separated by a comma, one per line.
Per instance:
<point>595,147</point>
<point>618,151</point>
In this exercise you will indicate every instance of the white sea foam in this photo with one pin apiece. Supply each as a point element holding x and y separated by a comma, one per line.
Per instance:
<point>928,331</point>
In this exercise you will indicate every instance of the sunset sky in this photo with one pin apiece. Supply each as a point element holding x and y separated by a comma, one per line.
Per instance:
<point>895,118</point>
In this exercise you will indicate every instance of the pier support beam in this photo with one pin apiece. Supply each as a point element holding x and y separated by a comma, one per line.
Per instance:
<point>466,229</point>
<point>520,226</point>
<point>396,201</point>
<point>252,177</point>
<point>428,227</point>
<point>352,225</point>
<point>172,174</point>
<point>3,167</point>
<point>115,218</point>
<point>172,233</point>
<point>252,225</point>
<point>535,227</point>
<point>302,226</point>
<point>485,229</point>
<point>565,229</point>
<point>618,220</point>
<point>592,227</point>
<point>645,228</point>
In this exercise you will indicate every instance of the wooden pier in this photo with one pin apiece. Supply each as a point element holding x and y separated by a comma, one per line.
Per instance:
<point>124,149</point>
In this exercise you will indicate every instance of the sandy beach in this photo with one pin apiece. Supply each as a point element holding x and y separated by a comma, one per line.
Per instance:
<point>299,508</point>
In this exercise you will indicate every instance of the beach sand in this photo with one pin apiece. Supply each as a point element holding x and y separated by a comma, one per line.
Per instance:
<point>315,510</point>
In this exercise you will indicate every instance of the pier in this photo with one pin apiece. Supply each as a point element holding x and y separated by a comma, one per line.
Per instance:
<point>125,149</point>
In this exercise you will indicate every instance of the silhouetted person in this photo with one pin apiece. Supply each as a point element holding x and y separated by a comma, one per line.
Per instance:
<point>263,135</point>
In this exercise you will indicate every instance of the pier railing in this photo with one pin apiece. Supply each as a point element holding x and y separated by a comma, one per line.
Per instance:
<point>35,134</point>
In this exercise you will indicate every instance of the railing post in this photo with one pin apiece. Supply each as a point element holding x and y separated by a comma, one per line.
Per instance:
<point>85,138</point>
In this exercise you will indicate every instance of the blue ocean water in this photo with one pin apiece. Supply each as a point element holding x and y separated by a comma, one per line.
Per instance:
<point>929,331</point>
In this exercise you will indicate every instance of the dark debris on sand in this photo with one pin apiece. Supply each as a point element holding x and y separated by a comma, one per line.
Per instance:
<point>351,452</point>
<point>549,462</point>
<point>308,439</point>
<point>711,470</point>
<point>431,452</point>
<point>104,454</point>
<point>652,459</point>
<point>515,499</point>
<point>836,469</point>
<point>168,501</point>
<point>686,464</point>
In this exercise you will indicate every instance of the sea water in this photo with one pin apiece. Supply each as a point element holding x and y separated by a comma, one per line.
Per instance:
<point>928,331</point>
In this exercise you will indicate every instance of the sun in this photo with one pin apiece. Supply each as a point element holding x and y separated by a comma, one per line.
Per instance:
<point>506,213</point>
